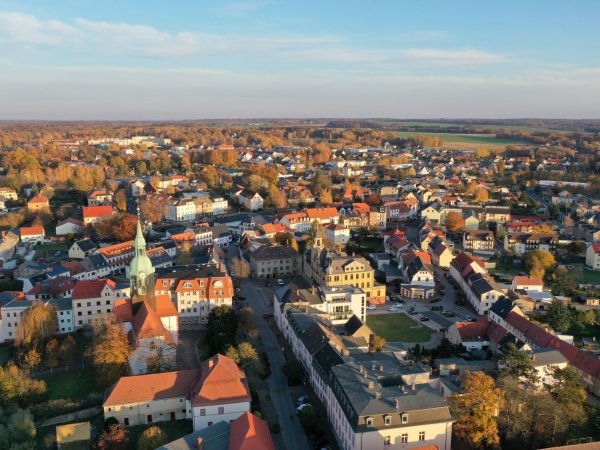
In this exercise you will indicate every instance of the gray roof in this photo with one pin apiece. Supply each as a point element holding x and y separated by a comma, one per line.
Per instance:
<point>547,357</point>
<point>215,437</point>
<point>86,245</point>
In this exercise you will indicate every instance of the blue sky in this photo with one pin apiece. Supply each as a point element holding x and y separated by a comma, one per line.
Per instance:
<point>264,58</point>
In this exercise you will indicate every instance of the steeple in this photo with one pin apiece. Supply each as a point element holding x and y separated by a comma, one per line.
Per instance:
<point>139,243</point>
<point>141,274</point>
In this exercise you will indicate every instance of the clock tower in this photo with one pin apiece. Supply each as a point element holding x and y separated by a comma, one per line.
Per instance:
<point>141,274</point>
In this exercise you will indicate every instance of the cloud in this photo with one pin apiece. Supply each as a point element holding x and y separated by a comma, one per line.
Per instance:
<point>466,57</point>
<point>20,28</point>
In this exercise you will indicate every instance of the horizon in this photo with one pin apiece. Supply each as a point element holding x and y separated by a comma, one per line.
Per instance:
<point>233,60</point>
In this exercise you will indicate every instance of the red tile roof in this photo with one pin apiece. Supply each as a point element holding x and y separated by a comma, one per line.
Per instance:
<point>91,288</point>
<point>530,280</point>
<point>32,231</point>
<point>473,331</point>
<point>97,211</point>
<point>165,306</point>
<point>321,213</point>
<point>248,432</point>
<point>222,381</point>
<point>39,199</point>
<point>146,324</point>
<point>145,388</point>
<point>122,310</point>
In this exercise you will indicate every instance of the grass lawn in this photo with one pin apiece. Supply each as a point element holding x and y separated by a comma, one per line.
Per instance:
<point>399,328</point>
<point>74,384</point>
<point>174,430</point>
<point>4,353</point>
<point>586,276</point>
<point>475,139</point>
<point>52,247</point>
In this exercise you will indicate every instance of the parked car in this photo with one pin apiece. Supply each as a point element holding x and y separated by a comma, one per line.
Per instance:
<point>392,309</point>
<point>302,400</point>
<point>424,319</point>
<point>470,319</point>
<point>371,307</point>
<point>301,407</point>
<point>413,313</point>
<point>280,282</point>
<point>267,315</point>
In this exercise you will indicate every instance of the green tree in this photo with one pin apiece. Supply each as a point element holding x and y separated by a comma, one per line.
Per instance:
<point>247,324</point>
<point>18,431</point>
<point>293,371</point>
<point>152,438</point>
<point>568,391</point>
<point>516,364</point>
<point>17,386</point>
<point>559,316</point>
<point>221,329</point>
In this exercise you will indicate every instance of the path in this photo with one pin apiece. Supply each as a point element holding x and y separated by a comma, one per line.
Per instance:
<point>70,417</point>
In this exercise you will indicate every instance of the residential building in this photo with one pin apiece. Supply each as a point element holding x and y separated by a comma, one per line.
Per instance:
<point>323,216</point>
<point>337,234</point>
<point>7,193</point>
<point>182,210</point>
<point>249,199</point>
<point>481,241</point>
<point>38,203</point>
<point>82,248</point>
<point>299,222</point>
<point>217,392</point>
<point>521,243</point>
<point>324,267</point>
<point>95,214</point>
<point>219,206</point>
<point>479,288</point>
<point>419,281</point>
<point>32,235</point>
<point>99,197</point>
<point>273,261</point>
<point>592,256</point>
<point>94,300</point>
<point>69,226</point>
<point>527,283</point>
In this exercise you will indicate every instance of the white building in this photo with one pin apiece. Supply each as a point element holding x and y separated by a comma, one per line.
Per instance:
<point>183,210</point>
<point>219,206</point>
<point>337,234</point>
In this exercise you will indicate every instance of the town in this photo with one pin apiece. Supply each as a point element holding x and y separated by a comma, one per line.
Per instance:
<point>212,286</point>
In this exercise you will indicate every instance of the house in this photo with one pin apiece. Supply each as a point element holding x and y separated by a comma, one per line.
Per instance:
<point>32,235</point>
<point>592,256</point>
<point>544,361</point>
<point>527,283</point>
<point>471,223</point>
<point>216,392</point>
<point>249,199</point>
<point>441,255</point>
<point>94,214</point>
<point>418,275</point>
<point>521,243</point>
<point>182,210</point>
<point>337,234</point>
<point>38,203</point>
<point>69,226</point>
<point>94,300</point>
<point>12,312</point>
<point>99,197</point>
<point>479,288</point>
<point>481,241</point>
<point>274,261</point>
<point>299,221</point>
<point>9,194</point>
<point>472,335</point>
<point>323,216</point>
<point>247,432</point>
<point>82,248</point>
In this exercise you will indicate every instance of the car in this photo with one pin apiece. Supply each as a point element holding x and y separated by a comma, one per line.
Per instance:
<point>58,253</point>
<point>268,284</point>
<point>301,407</point>
<point>302,400</point>
<point>267,315</point>
<point>371,307</point>
<point>387,299</point>
<point>424,319</point>
<point>392,309</point>
<point>470,319</point>
<point>413,313</point>
<point>280,282</point>
<point>443,330</point>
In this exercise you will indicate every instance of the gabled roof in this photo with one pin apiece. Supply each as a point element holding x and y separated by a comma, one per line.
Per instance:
<point>222,381</point>
<point>248,432</point>
<point>91,288</point>
<point>41,199</point>
<point>97,211</point>
<point>146,324</point>
<point>32,231</point>
<point>122,310</point>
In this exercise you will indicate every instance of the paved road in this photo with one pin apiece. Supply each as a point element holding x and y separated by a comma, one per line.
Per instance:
<point>187,357</point>
<point>295,438</point>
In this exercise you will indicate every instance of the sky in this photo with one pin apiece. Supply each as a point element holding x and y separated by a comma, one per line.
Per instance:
<point>203,59</point>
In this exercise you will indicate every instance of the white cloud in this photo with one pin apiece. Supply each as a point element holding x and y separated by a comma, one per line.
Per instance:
<point>442,57</point>
<point>20,28</point>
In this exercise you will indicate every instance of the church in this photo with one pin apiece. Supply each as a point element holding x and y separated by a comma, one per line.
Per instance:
<point>150,320</point>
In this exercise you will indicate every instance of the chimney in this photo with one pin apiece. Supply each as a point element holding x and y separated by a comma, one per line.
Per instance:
<point>397,403</point>
<point>371,385</point>
<point>211,364</point>
<point>413,386</point>
<point>313,290</point>
<point>199,443</point>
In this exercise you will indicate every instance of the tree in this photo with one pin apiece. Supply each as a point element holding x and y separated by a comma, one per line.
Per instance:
<point>475,409</point>
<point>378,343</point>
<point>293,371</point>
<point>121,199</point>
<point>542,228</point>
<point>516,364</point>
<point>17,386</point>
<point>31,360</point>
<point>481,194</point>
<point>53,355</point>
<point>455,222</point>
<point>276,197</point>
<point>221,329</point>
<point>161,357</point>
<point>115,438</point>
<point>18,431</point>
<point>152,208</point>
<point>568,391</point>
<point>125,227</point>
<point>247,324</point>
<point>539,261</point>
<point>152,438</point>
<point>240,269</point>
<point>481,153</point>
<point>325,197</point>
<point>559,316</point>
<point>184,256</point>
<point>37,324</point>
<point>109,352</point>
<point>67,350</point>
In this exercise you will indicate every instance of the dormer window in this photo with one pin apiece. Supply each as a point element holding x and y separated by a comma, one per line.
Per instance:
<point>369,422</point>
<point>404,418</point>
<point>187,284</point>
<point>387,420</point>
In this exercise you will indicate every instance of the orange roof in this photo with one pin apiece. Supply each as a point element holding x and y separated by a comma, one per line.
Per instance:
<point>531,280</point>
<point>39,199</point>
<point>32,231</point>
<point>122,310</point>
<point>470,331</point>
<point>185,236</point>
<point>321,213</point>
<point>146,324</point>
<point>295,217</point>
<point>270,228</point>
<point>97,211</point>
<point>165,306</point>
<point>91,288</point>
<point>117,249</point>
<point>248,432</point>
<point>222,381</point>
<point>361,207</point>
<point>144,388</point>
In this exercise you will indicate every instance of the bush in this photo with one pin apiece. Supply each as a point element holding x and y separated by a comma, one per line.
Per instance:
<point>53,408</point>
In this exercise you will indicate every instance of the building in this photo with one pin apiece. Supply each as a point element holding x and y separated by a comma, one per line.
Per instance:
<point>69,226</point>
<point>38,203</point>
<point>94,300</point>
<point>592,256</point>
<point>99,197</point>
<point>182,210</point>
<point>32,235</point>
<point>94,214</point>
<point>82,249</point>
<point>323,216</point>
<point>249,199</point>
<point>195,290</point>
<point>480,241</point>
<point>527,283</point>
<point>472,335</point>
<point>521,243</point>
<point>247,432</point>
<point>8,194</point>
<point>12,312</point>
<point>419,281</point>
<point>299,222</point>
<point>324,267</point>
<point>217,392</point>
<point>337,234</point>
<point>273,261</point>
<point>479,288</point>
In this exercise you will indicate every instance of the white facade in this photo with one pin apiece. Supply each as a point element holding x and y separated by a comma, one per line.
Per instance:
<point>337,234</point>
<point>205,416</point>
<point>181,211</point>
<point>219,206</point>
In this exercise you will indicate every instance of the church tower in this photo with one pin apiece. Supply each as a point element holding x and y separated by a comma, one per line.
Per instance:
<point>141,274</point>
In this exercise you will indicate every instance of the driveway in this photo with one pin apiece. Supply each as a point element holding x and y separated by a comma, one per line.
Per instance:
<point>281,398</point>
<point>187,357</point>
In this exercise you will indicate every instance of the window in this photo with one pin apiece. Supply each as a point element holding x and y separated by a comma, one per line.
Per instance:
<point>404,438</point>
<point>386,440</point>
<point>369,422</point>
<point>221,410</point>
<point>202,411</point>
<point>404,418</point>
<point>421,435</point>
<point>126,421</point>
<point>388,420</point>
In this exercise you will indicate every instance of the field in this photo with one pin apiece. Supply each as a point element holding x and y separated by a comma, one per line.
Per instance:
<point>467,141</point>
<point>479,125</point>
<point>74,384</point>
<point>586,276</point>
<point>398,328</point>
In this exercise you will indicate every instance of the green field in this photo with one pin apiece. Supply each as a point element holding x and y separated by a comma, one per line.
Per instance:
<point>475,139</point>
<point>398,328</point>
<point>586,276</point>
<point>478,125</point>
<point>74,384</point>
<point>52,247</point>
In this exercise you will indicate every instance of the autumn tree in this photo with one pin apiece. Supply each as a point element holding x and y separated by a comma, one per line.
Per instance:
<point>31,359</point>
<point>539,261</point>
<point>246,356</point>
<point>276,197</point>
<point>121,199</point>
<point>240,268</point>
<point>161,357</point>
<point>378,343</point>
<point>109,352</point>
<point>324,196</point>
<point>455,222</point>
<point>115,438</point>
<point>475,409</point>
<point>481,194</point>
<point>16,386</point>
<point>152,438</point>
<point>152,208</point>
<point>482,153</point>
<point>38,323</point>
<point>543,228</point>
<point>52,353</point>
<point>124,227</point>
<point>247,325</point>
<point>184,255</point>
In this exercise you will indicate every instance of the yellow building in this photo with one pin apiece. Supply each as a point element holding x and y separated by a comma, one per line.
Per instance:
<point>325,267</point>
